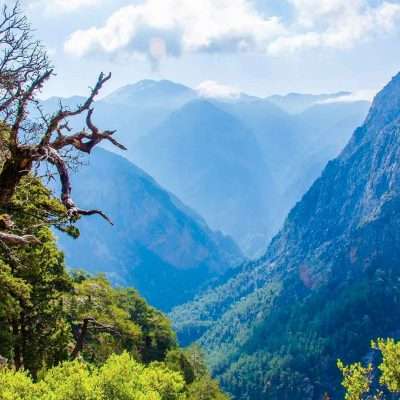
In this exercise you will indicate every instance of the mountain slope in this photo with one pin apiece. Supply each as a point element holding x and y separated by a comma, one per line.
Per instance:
<point>318,294</point>
<point>324,129</point>
<point>274,130</point>
<point>296,148</point>
<point>157,244</point>
<point>135,110</point>
<point>213,162</point>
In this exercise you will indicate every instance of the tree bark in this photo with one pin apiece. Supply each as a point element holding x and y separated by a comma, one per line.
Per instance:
<point>80,339</point>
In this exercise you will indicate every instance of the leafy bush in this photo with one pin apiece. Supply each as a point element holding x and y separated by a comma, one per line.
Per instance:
<point>120,378</point>
<point>358,380</point>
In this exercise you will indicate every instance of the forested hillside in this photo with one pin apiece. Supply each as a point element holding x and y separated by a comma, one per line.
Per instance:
<point>277,327</point>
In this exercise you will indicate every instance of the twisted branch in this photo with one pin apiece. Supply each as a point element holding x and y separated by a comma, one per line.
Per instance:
<point>24,69</point>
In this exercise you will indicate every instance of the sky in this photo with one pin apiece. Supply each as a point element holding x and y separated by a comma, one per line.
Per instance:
<point>260,47</point>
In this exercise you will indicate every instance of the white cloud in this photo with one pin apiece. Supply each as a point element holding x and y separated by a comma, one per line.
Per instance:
<point>310,12</point>
<point>337,24</point>
<point>184,25</point>
<point>212,89</point>
<point>161,28</point>
<point>361,95</point>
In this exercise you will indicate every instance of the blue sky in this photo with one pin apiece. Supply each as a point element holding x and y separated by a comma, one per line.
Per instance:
<point>259,47</point>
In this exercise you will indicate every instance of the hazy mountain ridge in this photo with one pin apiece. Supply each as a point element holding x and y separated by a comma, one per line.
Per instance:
<point>150,94</point>
<point>318,293</point>
<point>289,151</point>
<point>212,162</point>
<point>296,103</point>
<point>296,148</point>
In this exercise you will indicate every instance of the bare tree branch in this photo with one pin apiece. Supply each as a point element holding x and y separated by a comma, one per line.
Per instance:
<point>24,69</point>
<point>16,240</point>
<point>62,114</point>
<point>53,157</point>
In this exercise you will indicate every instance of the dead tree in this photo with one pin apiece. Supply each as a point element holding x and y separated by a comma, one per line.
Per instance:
<point>25,141</point>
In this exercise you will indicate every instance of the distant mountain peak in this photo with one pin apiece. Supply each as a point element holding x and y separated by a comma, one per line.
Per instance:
<point>163,83</point>
<point>72,100</point>
<point>151,92</point>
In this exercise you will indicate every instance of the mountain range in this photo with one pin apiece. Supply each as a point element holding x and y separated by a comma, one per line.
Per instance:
<point>254,156</point>
<point>275,327</point>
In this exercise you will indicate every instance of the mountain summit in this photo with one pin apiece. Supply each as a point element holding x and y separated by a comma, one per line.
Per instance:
<point>149,93</point>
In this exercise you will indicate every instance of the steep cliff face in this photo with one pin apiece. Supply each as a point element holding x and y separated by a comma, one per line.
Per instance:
<point>355,191</point>
<point>328,282</point>
<point>157,244</point>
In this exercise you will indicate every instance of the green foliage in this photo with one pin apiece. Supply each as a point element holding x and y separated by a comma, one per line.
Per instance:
<point>190,362</point>
<point>176,360</point>
<point>33,328</point>
<point>206,389</point>
<point>390,366</point>
<point>95,298</point>
<point>142,330</point>
<point>157,336</point>
<point>120,378</point>
<point>16,385</point>
<point>70,380</point>
<point>33,207</point>
<point>358,380</point>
